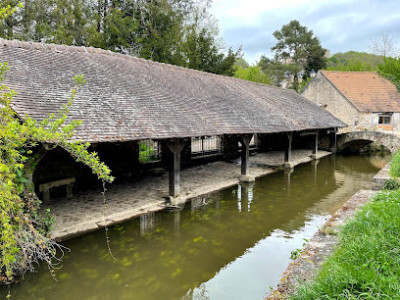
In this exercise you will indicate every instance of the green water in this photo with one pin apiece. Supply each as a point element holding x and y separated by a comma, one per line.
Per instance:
<point>235,247</point>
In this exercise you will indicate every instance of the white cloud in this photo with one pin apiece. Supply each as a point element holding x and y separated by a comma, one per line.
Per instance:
<point>341,25</point>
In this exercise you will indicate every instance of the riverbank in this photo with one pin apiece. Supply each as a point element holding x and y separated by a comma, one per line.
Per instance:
<point>86,212</point>
<point>321,246</point>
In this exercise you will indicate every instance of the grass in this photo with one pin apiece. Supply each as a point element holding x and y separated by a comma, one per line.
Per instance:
<point>395,166</point>
<point>366,263</point>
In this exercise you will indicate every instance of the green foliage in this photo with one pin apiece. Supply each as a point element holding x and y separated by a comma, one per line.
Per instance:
<point>390,69</point>
<point>395,166</point>
<point>203,52</point>
<point>23,232</point>
<point>146,152</point>
<point>241,62</point>
<point>253,73</point>
<point>274,69</point>
<point>303,84</point>
<point>391,184</point>
<point>366,263</point>
<point>354,61</point>
<point>299,50</point>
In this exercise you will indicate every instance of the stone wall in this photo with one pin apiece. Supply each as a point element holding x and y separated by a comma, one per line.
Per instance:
<point>322,92</point>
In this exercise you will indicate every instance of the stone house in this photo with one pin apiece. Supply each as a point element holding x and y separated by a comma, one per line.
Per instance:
<point>363,100</point>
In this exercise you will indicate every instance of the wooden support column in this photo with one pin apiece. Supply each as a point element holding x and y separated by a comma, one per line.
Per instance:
<point>245,141</point>
<point>315,146</point>
<point>175,146</point>
<point>288,152</point>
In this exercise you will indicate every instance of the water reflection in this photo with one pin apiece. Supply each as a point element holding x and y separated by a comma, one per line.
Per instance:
<point>234,247</point>
<point>147,223</point>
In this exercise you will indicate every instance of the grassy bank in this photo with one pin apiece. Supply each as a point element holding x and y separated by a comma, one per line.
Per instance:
<point>366,262</point>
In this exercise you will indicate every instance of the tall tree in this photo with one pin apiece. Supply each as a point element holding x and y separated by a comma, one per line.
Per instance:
<point>274,69</point>
<point>383,45</point>
<point>299,49</point>
<point>169,31</point>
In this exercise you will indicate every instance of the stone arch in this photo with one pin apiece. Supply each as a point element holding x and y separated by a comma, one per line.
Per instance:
<point>362,138</point>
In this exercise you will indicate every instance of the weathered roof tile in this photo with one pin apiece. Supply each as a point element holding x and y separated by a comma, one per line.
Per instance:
<point>127,98</point>
<point>368,91</point>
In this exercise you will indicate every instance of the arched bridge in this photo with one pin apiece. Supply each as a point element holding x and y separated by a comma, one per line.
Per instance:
<point>389,140</point>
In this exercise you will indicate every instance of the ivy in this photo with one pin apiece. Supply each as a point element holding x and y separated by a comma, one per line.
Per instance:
<point>24,238</point>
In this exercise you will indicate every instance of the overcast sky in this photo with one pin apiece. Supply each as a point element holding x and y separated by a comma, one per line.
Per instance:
<point>341,25</point>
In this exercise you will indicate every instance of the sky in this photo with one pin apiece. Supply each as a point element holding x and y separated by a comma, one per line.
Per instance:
<point>341,25</point>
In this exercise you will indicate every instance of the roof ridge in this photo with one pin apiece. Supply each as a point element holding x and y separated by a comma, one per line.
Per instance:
<point>358,72</point>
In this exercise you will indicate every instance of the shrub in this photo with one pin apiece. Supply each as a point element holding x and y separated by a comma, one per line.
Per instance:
<point>391,184</point>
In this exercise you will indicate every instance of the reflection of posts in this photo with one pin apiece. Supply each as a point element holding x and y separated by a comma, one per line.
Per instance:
<point>288,174</point>
<point>177,221</point>
<point>246,191</point>
<point>315,163</point>
<point>239,198</point>
<point>147,223</point>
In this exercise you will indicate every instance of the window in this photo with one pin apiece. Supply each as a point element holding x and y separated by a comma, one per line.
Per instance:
<point>385,120</point>
<point>149,151</point>
<point>206,145</point>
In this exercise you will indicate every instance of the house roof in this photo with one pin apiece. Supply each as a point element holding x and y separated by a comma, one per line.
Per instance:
<point>126,98</point>
<point>368,91</point>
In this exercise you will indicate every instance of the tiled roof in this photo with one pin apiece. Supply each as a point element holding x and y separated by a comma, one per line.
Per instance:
<point>368,91</point>
<point>127,98</point>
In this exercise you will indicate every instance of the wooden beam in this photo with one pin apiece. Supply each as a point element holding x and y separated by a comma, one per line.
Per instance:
<point>308,133</point>
<point>175,146</point>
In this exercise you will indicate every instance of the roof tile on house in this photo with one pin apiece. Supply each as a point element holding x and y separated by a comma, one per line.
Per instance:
<point>368,91</point>
<point>126,98</point>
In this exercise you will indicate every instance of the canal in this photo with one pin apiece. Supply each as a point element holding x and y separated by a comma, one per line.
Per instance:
<point>234,244</point>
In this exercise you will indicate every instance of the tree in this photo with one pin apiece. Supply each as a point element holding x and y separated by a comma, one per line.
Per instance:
<point>274,69</point>
<point>241,62</point>
<point>178,32</point>
<point>203,52</point>
<point>299,50</point>
<point>390,69</point>
<point>383,45</point>
<point>354,61</point>
<point>252,73</point>
<point>24,239</point>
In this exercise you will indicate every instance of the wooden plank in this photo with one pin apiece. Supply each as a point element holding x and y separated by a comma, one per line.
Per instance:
<point>46,186</point>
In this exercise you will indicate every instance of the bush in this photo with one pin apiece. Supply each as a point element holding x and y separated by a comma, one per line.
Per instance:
<point>391,184</point>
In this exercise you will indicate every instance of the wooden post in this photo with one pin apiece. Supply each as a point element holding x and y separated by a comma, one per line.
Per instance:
<point>175,146</point>
<point>315,146</point>
<point>245,141</point>
<point>288,152</point>
<point>288,149</point>
<point>245,154</point>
